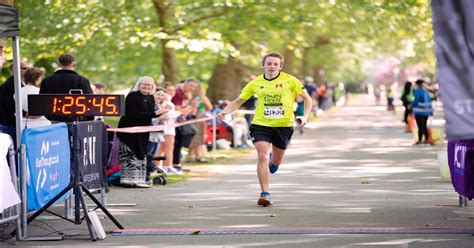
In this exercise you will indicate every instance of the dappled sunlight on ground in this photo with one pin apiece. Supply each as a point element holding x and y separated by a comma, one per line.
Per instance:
<point>354,167</point>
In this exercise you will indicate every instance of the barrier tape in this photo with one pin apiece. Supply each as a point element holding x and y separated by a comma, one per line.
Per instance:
<point>242,111</point>
<point>146,129</point>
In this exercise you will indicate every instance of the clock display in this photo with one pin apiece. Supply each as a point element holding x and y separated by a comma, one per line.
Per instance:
<point>75,105</point>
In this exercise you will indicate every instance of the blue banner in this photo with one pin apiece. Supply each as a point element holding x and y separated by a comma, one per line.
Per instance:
<point>48,158</point>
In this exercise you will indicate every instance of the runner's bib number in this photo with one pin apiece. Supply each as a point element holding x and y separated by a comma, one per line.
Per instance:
<point>274,112</point>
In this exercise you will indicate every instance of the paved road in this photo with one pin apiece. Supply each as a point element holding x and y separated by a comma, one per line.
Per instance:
<point>353,167</point>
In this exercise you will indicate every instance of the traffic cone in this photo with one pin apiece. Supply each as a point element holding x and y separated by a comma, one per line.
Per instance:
<point>430,136</point>
<point>411,123</point>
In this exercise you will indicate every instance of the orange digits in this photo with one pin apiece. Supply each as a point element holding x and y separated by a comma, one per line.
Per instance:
<point>111,105</point>
<point>80,105</point>
<point>66,109</point>
<point>99,105</point>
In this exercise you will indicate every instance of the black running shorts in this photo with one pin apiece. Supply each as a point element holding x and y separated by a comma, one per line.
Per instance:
<point>277,136</point>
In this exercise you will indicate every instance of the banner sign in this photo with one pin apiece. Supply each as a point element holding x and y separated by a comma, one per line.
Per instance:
<point>8,193</point>
<point>48,160</point>
<point>92,157</point>
<point>453,25</point>
<point>461,166</point>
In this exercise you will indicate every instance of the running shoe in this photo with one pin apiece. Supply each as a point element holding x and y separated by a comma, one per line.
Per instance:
<point>427,143</point>
<point>264,199</point>
<point>273,168</point>
<point>418,143</point>
<point>173,170</point>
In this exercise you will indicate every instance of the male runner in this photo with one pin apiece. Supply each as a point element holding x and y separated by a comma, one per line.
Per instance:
<point>272,124</point>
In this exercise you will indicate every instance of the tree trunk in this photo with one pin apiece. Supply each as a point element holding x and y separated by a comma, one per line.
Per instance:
<point>288,66</point>
<point>226,80</point>
<point>169,66</point>
<point>318,74</point>
<point>306,63</point>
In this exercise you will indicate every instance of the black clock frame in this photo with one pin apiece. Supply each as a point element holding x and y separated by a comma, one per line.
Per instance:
<point>89,105</point>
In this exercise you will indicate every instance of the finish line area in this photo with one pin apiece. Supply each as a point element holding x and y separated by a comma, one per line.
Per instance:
<point>293,230</point>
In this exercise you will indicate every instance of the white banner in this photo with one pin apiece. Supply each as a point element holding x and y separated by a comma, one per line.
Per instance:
<point>453,25</point>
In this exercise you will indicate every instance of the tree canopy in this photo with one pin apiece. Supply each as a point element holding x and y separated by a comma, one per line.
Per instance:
<point>116,42</point>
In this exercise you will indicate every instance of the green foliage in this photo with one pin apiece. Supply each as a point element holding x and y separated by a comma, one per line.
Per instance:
<point>114,41</point>
<point>117,41</point>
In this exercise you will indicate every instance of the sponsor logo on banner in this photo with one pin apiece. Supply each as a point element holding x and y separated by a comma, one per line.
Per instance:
<point>89,151</point>
<point>46,165</point>
<point>459,159</point>
<point>463,106</point>
<point>44,147</point>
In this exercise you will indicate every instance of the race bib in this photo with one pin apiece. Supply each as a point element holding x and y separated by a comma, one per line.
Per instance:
<point>274,112</point>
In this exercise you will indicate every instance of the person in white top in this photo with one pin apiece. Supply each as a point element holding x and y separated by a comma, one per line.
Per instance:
<point>33,77</point>
<point>169,133</point>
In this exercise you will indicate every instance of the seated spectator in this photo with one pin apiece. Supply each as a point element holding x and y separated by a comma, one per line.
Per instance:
<point>139,110</point>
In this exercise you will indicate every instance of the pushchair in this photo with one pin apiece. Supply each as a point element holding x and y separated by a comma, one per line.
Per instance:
<point>113,164</point>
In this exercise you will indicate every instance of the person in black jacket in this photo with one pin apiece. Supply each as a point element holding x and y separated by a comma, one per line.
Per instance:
<point>64,80</point>
<point>7,104</point>
<point>139,110</point>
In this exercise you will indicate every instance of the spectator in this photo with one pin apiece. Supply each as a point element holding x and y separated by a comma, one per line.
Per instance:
<point>139,110</point>
<point>33,77</point>
<point>237,127</point>
<point>64,80</point>
<point>407,98</point>
<point>182,104</point>
<point>170,89</point>
<point>311,89</point>
<point>158,84</point>
<point>166,148</point>
<point>377,94</point>
<point>156,138</point>
<point>390,98</point>
<point>322,96</point>
<point>251,103</point>
<point>7,103</point>
<point>99,88</point>
<point>198,147</point>
<point>299,111</point>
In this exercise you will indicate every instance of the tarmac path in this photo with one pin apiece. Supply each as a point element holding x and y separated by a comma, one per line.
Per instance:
<point>352,168</point>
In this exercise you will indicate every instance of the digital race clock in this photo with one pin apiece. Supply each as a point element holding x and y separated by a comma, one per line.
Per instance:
<point>75,105</point>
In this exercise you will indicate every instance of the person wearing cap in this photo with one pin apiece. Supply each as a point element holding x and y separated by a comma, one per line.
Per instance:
<point>273,121</point>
